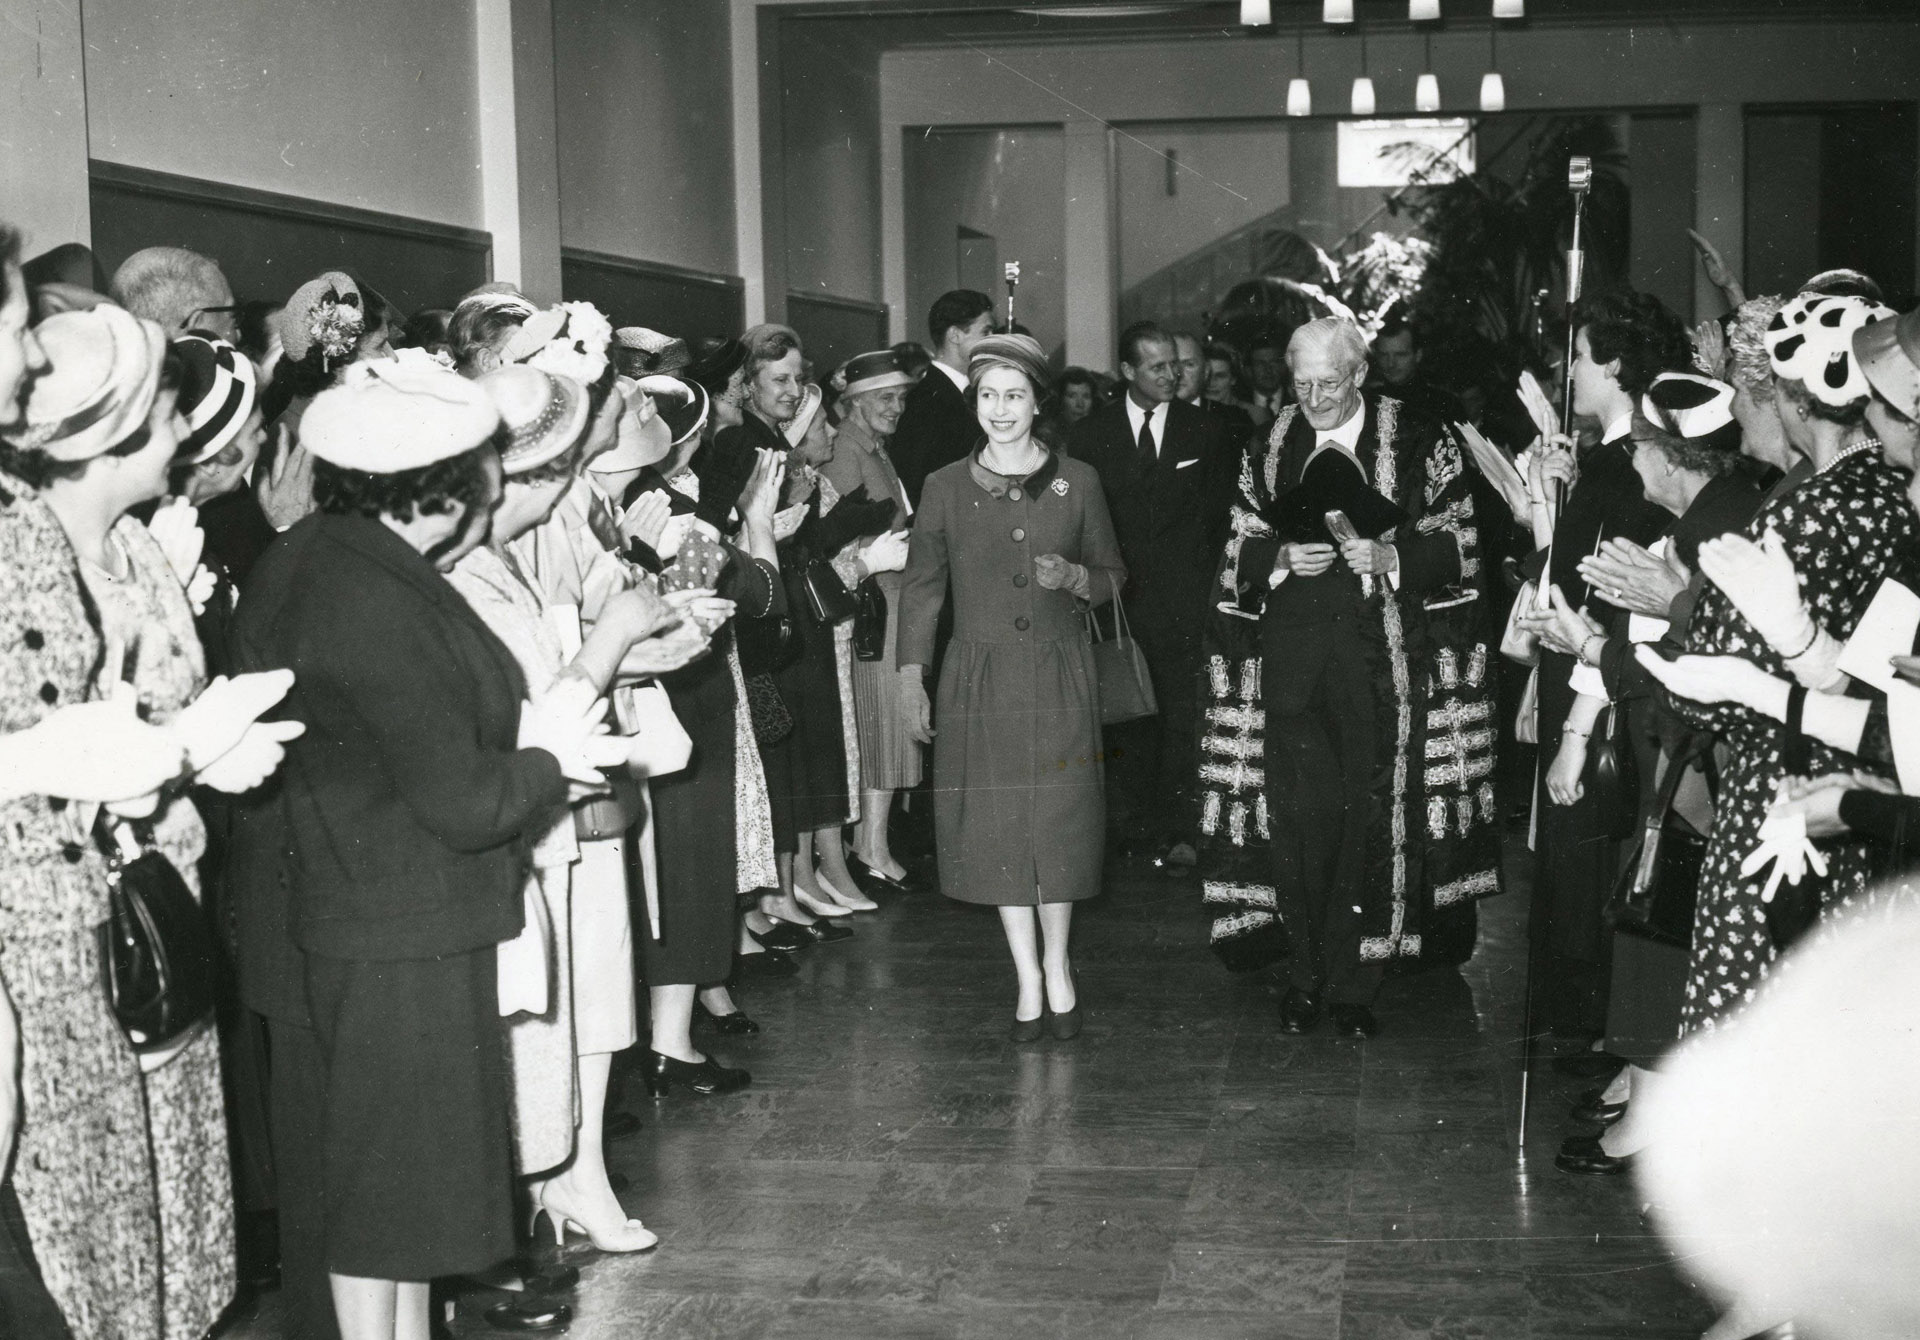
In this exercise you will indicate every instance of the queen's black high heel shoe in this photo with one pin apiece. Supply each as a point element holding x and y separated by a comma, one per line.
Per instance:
<point>662,1073</point>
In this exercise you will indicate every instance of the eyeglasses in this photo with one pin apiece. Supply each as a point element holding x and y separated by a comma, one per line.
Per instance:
<point>232,309</point>
<point>1326,386</point>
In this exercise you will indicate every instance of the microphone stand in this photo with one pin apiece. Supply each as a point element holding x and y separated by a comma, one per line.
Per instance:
<point>1579,182</point>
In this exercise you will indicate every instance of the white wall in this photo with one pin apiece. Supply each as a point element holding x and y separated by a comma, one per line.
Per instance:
<point>1228,175</point>
<point>43,109</point>
<point>359,102</point>
<point>646,130</point>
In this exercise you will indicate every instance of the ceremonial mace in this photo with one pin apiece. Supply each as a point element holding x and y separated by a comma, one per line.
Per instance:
<point>1580,183</point>
<point>1013,282</point>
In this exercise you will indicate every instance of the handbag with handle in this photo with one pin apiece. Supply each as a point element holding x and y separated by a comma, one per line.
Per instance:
<point>828,599</point>
<point>870,621</point>
<point>157,956</point>
<point>1616,773</point>
<point>1126,689</point>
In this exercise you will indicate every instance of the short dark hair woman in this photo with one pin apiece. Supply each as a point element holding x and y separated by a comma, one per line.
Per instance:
<point>1018,781</point>
<point>419,751</point>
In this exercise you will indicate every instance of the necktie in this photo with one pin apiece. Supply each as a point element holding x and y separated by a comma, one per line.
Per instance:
<point>1148,456</point>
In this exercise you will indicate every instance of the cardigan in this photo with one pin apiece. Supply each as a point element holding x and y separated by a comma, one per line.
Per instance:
<point>402,820</point>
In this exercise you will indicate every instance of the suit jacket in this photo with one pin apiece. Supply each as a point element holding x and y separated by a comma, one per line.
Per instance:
<point>1171,516</point>
<point>400,824</point>
<point>937,428</point>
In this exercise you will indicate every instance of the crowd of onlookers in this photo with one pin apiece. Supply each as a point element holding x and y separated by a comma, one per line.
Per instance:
<point>508,687</point>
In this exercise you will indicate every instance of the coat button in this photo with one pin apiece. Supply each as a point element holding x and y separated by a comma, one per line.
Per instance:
<point>72,852</point>
<point>1019,579</point>
<point>49,694</point>
<point>1019,533</point>
<point>1015,494</point>
<point>1021,623</point>
<point>35,640</point>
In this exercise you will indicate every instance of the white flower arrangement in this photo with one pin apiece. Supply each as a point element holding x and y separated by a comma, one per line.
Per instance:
<point>579,348</point>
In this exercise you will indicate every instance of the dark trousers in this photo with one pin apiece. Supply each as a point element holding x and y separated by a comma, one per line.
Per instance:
<point>1152,764</point>
<point>298,1099</point>
<point>27,1311</point>
<point>1323,749</point>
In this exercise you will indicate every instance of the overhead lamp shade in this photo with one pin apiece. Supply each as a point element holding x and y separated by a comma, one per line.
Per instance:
<point>1363,103</point>
<point>1299,98</point>
<point>1337,11</point>
<point>1426,94</point>
<point>1509,9</point>
<point>1422,11</point>
<point>1493,92</point>
<point>1255,13</point>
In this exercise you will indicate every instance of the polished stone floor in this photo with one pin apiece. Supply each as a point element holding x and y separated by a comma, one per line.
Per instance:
<point>899,1169</point>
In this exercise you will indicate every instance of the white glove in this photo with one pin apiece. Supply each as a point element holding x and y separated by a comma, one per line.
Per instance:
<point>1760,582</point>
<point>885,553</point>
<point>253,760</point>
<point>1783,840</point>
<point>214,722</point>
<point>200,588</point>
<point>176,529</point>
<point>97,751</point>
<point>561,721</point>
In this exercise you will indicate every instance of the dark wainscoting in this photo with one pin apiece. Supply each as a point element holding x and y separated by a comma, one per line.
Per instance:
<point>832,330</point>
<point>691,304</point>
<point>270,244</point>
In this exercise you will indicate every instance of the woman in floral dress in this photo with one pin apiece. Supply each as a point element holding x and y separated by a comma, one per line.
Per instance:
<point>1842,528</point>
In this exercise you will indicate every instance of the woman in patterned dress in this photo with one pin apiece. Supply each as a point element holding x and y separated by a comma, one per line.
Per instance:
<point>1842,529</point>
<point>122,1167</point>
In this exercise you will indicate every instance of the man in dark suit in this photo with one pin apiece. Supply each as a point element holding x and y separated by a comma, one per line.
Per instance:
<point>1168,475</point>
<point>1234,424</point>
<point>938,426</point>
<point>1376,793</point>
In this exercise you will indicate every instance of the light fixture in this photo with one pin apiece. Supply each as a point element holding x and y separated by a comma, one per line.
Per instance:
<point>1336,11</point>
<point>1255,13</point>
<point>1426,91</point>
<point>1363,101</point>
<point>1509,9</point>
<point>1420,11</point>
<point>1299,92</point>
<point>1493,89</point>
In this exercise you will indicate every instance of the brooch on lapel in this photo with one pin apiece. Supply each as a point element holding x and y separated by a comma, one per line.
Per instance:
<point>1060,487</point>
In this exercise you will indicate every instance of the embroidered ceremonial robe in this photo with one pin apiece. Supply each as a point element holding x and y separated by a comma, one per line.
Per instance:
<point>1421,845</point>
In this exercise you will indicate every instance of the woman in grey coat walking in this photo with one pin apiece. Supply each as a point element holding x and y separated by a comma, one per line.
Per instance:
<point>1022,539</point>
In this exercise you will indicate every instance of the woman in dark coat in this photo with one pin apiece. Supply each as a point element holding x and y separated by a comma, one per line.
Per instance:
<point>1024,540</point>
<point>402,827</point>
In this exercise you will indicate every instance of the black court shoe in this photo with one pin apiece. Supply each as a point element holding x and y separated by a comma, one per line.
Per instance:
<point>734,1024</point>
<point>706,1078</point>
<point>870,879</point>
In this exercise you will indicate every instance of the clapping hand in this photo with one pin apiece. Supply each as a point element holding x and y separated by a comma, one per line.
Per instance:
<point>95,751</point>
<point>1816,800</point>
<point>702,606</point>
<point>563,721</point>
<point>1717,273</point>
<point>1560,627</point>
<point>176,529</point>
<point>669,649</point>
<point>285,488</point>
<point>1760,582</point>
<point>761,496</point>
<point>254,759</point>
<point>645,519</point>
<point>1710,349</point>
<point>1499,471</point>
<point>1633,579</point>
<point>215,722</point>
<point>1714,679</point>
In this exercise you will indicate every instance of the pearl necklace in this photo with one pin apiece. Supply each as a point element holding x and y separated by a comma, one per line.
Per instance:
<point>1865,444</point>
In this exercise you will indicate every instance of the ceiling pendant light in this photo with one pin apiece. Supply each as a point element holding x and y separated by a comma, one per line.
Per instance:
<point>1493,89</point>
<point>1336,11</point>
<point>1509,9</point>
<point>1299,92</point>
<point>1363,101</point>
<point>1419,11</point>
<point>1256,13</point>
<point>1426,91</point>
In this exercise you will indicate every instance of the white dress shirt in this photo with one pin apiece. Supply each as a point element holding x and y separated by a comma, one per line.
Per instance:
<point>959,379</point>
<point>1154,416</point>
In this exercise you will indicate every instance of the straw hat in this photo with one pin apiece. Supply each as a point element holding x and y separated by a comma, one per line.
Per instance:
<point>103,372</point>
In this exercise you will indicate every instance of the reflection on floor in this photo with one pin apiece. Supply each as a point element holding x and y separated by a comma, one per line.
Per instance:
<point>899,1169</point>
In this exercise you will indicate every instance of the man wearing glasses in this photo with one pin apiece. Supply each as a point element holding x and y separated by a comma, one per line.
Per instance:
<point>181,290</point>
<point>1351,801</point>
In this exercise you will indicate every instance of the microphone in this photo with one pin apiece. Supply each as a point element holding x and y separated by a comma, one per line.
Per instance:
<point>1579,184</point>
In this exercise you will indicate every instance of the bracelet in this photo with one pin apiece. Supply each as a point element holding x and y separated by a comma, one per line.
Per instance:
<point>1576,734</point>
<point>1583,647</point>
<point>1812,638</point>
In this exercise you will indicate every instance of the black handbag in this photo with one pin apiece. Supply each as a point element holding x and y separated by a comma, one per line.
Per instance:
<point>869,621</point>
<point>157,954</point>
<point>1656,892</point>
<point>1120,668</point>
<point>1616,780</point>
<point>828,600</point>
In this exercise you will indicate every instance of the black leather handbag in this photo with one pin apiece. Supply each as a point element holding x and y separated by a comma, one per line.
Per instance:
<point>157,954</point>
<point>1655,895</point>
<point>828,599</point>
<point>869,621</point>
<point>1616,775</point>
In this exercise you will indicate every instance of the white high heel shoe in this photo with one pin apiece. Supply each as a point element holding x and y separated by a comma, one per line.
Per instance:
<point>631,1236</point>
<point>855,901</point>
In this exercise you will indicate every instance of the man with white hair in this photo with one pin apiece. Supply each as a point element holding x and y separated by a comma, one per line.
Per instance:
<point>1347,766</point>
<point>179,289</point>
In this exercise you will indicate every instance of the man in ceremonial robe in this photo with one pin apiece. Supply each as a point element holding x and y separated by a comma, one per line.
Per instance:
<point>1347,748</point>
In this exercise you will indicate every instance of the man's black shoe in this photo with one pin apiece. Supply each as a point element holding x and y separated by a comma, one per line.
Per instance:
<point>1605,1114</point>
<point>1299,1011</point>
<point>1353,1021</point>
<point>528,1315</point>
